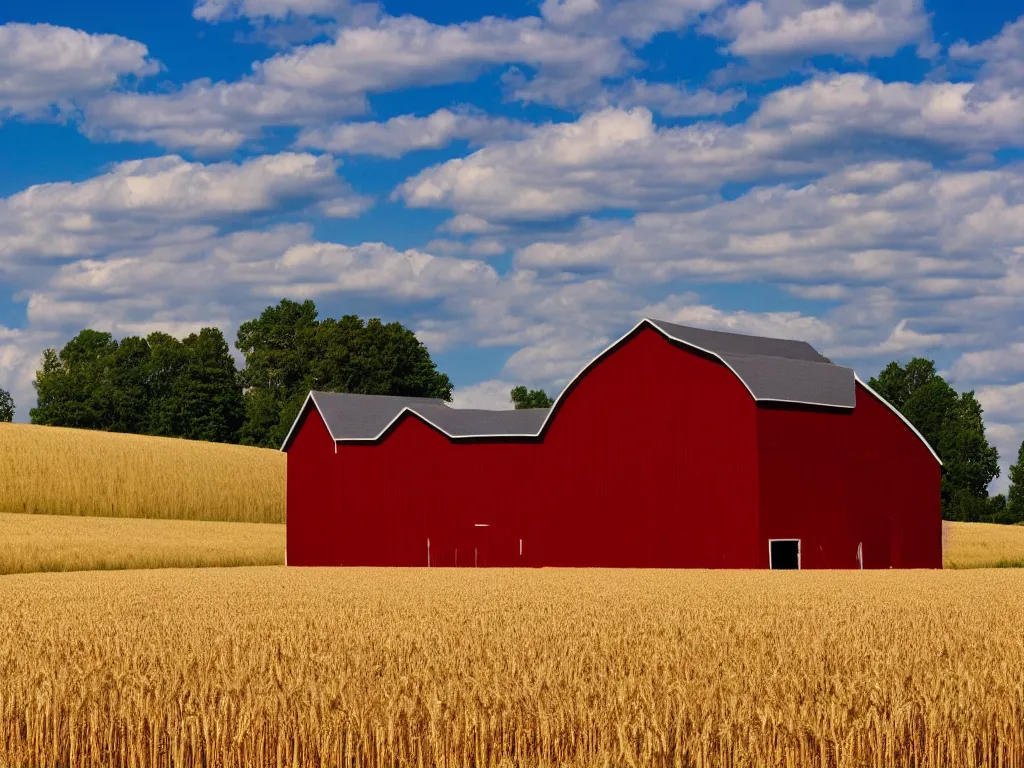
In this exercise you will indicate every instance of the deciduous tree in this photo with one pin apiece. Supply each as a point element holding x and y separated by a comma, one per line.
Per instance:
<point>530,398</point>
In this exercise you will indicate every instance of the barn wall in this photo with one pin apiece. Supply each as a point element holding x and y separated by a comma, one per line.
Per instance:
<point>312,494</point>
<point>417,484</point>
<point>806,481</point>
<point>651,461</point>
<point>658,457</point>
<point>900,499</point>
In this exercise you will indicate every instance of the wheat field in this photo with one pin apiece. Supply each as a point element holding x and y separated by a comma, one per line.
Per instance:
<point>58,471</point>
<point>982,545</point>
<point>377,667</point>
<point>33,543</point>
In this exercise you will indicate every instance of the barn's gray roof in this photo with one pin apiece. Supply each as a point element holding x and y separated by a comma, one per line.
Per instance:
<point>365,417</point>
<point>776,370</point>
<point>773,370</point>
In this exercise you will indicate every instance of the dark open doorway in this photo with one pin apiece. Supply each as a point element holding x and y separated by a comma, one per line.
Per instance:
<point>784,554</point>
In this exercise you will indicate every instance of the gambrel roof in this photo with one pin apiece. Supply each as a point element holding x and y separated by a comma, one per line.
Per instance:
<point>772,370</point>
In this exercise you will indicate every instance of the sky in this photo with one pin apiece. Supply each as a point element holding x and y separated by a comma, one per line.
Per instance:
<point>520,182</point>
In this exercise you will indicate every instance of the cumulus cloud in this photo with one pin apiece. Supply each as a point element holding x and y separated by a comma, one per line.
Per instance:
<point>618,158</point>
<point>490,395</point>
<point>45,68</point>
<point>805,28</point>
<point>778,325</point>
<point>160,200</point>
<point>1002,56</point>
<point>636,20</point>
<point>876,222</point>
<point>329,80</point>
<point>407,133</point>
<point>674,99</point>
<point>223,10</point>
<point>990,364</point>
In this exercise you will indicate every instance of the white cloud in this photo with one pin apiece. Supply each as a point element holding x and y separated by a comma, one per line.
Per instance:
<point>615,158</point>
<point>407,133</point>
<point>990,364</point>
<point>778,325</point>
<point>804,28</point>
<point>901,340</point>
<point>674,99</point>
<point>161,199</point>
<point>959,115</point>
<point>490,395</point>
<point>869,223</point>
<point>329,80</point>
<point>45,68</point>
<point>1002,56</point>
<point>223,10</point>
<point>636,20</point>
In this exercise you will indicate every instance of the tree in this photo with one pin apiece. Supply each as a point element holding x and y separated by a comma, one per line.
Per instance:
<point>288,352</point>
<point>927,408</point>
<point>1015,494</point>
<point>896,384</point>
<point>952,424</point>
<point>6,406</point>
<point>530,398</point>
<point>206,393</point>
<point>73,386</point>
<point>156,385</point>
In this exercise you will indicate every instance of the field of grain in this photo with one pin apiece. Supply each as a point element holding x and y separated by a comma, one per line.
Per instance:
<point>982,545</point>
<point>32,543</point>
<point>377,667</point>
<point>57,471</point>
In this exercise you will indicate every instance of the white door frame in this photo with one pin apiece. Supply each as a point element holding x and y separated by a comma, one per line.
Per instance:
<point>798,564</point>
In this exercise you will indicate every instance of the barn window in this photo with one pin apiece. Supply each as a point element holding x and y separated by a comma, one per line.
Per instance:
<point>784,554</point>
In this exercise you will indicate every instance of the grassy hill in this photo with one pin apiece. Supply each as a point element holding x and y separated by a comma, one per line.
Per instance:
<point>982,545</point>
<point>39,543</point>
<point>58,471</point>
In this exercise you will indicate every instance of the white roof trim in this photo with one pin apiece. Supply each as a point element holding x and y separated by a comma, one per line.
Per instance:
<point>903,418</point>
<point>298,418</point>
<point>561,395</point>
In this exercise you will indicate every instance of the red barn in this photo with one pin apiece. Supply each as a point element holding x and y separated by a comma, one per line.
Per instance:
<point>676,447</point>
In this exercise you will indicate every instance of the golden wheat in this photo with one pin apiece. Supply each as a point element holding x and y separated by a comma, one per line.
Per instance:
<point>51,470</point>
<point>377,667</point>
<point>31,543</point>
<point>982,545</point>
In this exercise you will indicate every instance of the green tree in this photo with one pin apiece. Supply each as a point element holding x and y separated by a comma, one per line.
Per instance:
<point>156,385</point>
<point>6,406</point>
<point>1015,494</point>
<point>928,407</point>
<point>207,395</point>
<point>288,352</point>
<point>74,386</point>
<point>529,398</point>
<point>897,384</point>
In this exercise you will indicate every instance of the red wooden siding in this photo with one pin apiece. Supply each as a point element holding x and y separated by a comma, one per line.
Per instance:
<point>898,496</point>
<point>658,457</point>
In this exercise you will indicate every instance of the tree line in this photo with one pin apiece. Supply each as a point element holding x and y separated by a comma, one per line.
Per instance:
<point>191,388</point>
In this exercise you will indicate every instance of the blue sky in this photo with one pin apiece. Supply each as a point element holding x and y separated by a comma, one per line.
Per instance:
<point>520,182</point>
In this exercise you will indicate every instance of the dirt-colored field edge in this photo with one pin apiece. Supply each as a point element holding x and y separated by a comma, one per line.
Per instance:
<point>46,543</point>
<point>59,471</point>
